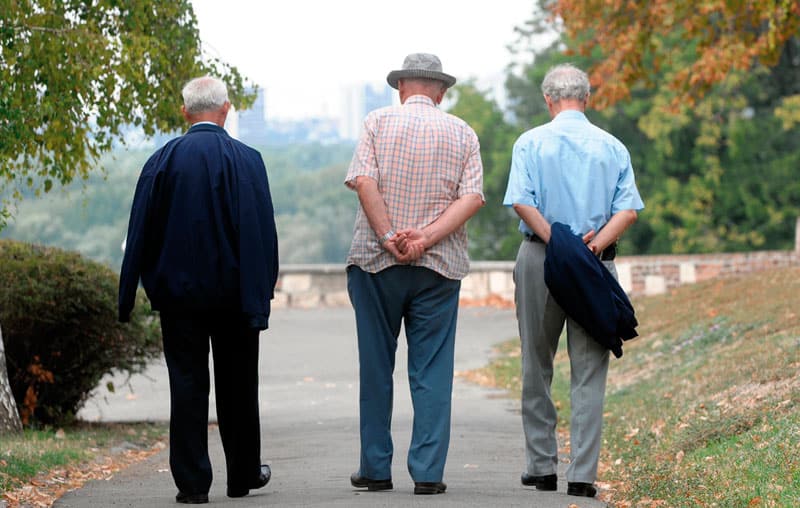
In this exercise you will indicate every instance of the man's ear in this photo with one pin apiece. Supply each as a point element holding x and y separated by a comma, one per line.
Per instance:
<point>185,114</point>
<point>440,95</point>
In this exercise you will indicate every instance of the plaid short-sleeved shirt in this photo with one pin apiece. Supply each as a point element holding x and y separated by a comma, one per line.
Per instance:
<point>423,160</point>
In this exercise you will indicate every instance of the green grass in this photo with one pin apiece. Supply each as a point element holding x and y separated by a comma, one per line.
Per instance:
<point>34,452</point>
<point>704,408</point>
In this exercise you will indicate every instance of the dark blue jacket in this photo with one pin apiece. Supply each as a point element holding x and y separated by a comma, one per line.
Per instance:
<point>202,233</point>
<point>587,291</point>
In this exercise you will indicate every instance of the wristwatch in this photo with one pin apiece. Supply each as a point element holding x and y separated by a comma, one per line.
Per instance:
<point>386,236</point>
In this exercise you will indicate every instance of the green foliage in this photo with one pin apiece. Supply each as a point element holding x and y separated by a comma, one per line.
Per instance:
<point>719,176</point>
<point>314,214</point>
<point>90,216</point>
<point>59,318</point>
<point>314,210</point>
<point>492,230</point>
<point>76,74</point>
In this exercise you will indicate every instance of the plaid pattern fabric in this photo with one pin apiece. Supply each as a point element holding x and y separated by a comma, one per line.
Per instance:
<point>423,160</point>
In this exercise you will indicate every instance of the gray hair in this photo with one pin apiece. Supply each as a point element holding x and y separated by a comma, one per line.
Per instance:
<point>204,94</point>
<point>565,81</point>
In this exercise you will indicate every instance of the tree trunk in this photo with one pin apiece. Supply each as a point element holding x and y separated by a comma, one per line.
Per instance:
<point>9,415</point>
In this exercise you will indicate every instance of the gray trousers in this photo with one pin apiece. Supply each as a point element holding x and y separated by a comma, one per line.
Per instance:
<point>541,321</point>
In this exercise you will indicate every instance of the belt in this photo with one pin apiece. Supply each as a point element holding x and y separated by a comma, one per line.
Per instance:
<point>608,254</point>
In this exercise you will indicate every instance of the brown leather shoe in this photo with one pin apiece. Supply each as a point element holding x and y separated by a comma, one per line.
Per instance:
<point>546,482</point>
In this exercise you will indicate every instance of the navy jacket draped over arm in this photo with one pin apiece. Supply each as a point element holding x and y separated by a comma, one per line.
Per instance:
<point>587,291</point>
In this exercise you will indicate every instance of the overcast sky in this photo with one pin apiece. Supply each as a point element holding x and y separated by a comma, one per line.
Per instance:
<point>304,51</point>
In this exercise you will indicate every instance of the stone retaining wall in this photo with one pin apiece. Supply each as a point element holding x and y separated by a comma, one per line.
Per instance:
<point>309,286</point>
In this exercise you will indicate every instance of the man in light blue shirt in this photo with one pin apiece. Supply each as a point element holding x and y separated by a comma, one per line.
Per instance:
<point>568,171</point>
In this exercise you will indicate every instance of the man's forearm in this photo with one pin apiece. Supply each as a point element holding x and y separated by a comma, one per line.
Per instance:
<point>455,216</point>
<point>373,204</point>
<point>613,229</point>
<point>534,219</point>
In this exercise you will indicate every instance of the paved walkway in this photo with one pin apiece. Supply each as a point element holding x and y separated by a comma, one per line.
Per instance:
<point>309,406</point>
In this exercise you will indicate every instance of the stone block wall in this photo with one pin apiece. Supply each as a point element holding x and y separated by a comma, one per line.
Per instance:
<point>308,286</point>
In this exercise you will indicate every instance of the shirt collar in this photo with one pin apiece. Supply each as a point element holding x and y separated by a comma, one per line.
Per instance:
<point>206,122</point>
<point>570,114</point>
<point>420,99</point>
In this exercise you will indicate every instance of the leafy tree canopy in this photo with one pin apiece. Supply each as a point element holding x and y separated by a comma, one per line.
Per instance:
<point>76,74</point>
<point>636,39</point>
<point>716,175</point>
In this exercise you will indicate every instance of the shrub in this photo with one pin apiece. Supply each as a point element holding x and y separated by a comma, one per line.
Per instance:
<point>59,317</point>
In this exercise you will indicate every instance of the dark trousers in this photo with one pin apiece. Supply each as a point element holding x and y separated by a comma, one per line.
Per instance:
<point>427,304</point>
<point>235,352</point>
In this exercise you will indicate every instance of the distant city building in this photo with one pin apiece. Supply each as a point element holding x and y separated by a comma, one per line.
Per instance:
<point>307,130</point>
<point>359,100</point>
<point>252,122</point>
<point>255,127</point>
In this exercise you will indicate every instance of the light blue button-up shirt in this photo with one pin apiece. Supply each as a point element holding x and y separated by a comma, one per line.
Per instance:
<point>573,172</point>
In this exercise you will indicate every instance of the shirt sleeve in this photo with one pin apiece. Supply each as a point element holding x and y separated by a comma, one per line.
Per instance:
<point>521,189</point>
<point>472,176</point>
<point>626,195</point>
<point>364,161</point>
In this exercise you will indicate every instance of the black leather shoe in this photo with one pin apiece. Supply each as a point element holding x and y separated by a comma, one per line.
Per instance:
<point>546,482</point>
<point>184,498</point>
<point>581,489</point>
<point>429,488</point>
<point>263,478</point>
<point>361,482</point>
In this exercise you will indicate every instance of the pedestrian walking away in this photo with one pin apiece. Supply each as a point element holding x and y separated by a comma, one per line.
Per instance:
<point>568,178</point>
<point>418,175</point>
<point>202,239</point>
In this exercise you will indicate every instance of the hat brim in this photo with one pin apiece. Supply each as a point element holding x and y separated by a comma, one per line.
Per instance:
<point>393,77</point>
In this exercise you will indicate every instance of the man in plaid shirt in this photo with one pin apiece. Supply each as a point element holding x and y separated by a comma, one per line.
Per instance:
<point>419,178</point>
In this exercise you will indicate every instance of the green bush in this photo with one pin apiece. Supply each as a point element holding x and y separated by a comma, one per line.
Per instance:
<point>58,313</point>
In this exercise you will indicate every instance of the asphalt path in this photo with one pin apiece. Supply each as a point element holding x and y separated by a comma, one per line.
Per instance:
<point>309,418</point>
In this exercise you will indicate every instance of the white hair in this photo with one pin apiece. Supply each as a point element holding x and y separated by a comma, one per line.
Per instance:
<point>565,81</point>
<point>204,94</point>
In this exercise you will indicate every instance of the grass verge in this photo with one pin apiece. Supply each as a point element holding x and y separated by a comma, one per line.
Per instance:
<point>703,409</point>
<point>38,466</point>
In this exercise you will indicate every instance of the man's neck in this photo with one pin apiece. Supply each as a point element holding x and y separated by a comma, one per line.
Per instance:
<point>567,105</point>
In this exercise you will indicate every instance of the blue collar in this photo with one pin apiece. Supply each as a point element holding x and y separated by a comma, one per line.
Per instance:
<point>571,114</point>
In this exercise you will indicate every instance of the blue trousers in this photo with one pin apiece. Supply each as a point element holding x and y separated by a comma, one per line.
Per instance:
<point>427,304</point>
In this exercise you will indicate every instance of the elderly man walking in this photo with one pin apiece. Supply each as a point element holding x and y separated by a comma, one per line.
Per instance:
<point>571,172</point>
<point>419,177</point>
<point>202,239</point>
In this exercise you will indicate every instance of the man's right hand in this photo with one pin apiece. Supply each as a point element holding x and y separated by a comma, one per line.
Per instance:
<point>406,246</point>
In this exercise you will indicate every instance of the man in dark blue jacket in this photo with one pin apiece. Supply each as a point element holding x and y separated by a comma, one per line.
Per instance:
<point>202,240</point>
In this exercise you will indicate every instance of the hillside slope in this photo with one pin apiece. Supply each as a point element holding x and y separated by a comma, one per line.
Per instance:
<point>703,409</point>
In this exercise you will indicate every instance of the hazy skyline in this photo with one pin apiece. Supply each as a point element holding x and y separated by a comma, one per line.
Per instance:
<point>305,52</point>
